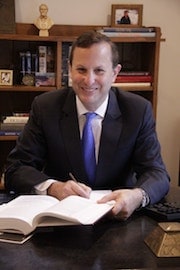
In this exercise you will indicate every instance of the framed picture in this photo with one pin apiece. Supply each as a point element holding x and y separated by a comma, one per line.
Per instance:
<point>126,15</point>
<point>6,77</point>
<point>7,18</point>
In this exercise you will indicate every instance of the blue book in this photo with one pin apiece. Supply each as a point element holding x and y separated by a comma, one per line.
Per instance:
<point>9,133</point>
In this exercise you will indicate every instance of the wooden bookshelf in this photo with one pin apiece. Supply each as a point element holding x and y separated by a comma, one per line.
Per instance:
<point>139,53</point>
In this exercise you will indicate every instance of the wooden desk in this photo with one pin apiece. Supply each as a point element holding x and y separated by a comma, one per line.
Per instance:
<point>107,245</point>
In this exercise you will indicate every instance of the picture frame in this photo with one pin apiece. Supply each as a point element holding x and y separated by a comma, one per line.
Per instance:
<point>7,18</point>
<point>126,15</point>
<point>6,77</point>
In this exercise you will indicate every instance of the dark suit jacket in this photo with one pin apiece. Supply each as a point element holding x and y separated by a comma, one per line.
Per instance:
<point>50,145</point>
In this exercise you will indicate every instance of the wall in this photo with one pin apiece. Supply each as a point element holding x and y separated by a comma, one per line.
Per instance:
<point>163,13</point>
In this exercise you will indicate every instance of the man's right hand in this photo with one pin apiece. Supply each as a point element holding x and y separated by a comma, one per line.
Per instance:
<point>61,190</point>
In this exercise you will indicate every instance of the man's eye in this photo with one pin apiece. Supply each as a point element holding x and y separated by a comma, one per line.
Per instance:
<point>81,70</point>
<point>99,71</point>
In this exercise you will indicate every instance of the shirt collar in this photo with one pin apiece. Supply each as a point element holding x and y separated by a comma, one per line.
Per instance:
<point>101,110</point>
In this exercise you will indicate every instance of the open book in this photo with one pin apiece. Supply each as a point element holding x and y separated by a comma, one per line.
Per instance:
<point>25,213</point>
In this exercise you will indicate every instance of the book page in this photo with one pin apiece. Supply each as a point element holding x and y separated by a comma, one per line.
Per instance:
<point>98,194</point>
<point>75,209</point>
<point>18,214</point>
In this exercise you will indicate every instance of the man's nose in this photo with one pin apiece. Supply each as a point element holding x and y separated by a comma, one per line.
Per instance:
<point>89,77</point>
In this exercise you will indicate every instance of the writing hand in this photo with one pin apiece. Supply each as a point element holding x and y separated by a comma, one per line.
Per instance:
<point>61,190</point>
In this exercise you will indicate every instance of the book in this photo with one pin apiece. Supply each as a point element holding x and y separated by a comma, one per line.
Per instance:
<point>22,56</point>
<point>134,73</point>
<point>11,126</point>
<point>129,29</point>
<point>9,133</point>
<point>66,48</point>
<point>127,34</point>
<point>134,78</point>
<point>28,62</point>
<point>45,210</point>
<point>14,237</point>
<point>35,64</point>
<point>15,119</point>
<point>50,59</point>
<point>44,79</point>
<point>131,84</point>
<point>42,50</point>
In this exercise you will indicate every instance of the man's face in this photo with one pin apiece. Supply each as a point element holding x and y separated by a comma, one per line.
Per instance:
<point>43,10</point>
<point>92,74</point>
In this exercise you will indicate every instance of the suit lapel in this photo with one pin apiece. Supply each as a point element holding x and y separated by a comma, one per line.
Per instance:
<point>111,131</point>
<point>71,135</point>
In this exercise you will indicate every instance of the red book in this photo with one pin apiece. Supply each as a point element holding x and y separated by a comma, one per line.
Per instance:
<point>134,78</point>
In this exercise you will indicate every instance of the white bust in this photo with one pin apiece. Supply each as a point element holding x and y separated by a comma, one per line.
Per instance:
<point>43,22</point>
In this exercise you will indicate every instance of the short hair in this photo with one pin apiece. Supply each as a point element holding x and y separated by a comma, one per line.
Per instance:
<point>87,39</point>
<point>43,6</point>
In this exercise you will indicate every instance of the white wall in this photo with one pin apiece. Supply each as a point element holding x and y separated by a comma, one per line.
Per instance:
<point>162,13</point>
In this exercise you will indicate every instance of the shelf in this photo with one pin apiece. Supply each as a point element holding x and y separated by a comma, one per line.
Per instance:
<point>135,54</point>
<point>134,88</point>
<point>23,88</point>
<point>8,138</point>
<point>54,39</point>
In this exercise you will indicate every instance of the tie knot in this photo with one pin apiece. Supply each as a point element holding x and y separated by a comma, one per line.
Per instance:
<point>90,116</point>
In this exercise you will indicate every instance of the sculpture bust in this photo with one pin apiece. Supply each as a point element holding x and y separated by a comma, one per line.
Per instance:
<point>43,22</point>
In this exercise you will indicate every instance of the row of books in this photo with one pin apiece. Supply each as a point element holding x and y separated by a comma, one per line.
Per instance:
<point>37,68</point>
<point>136,77</point>
<point>66,47</point>
<point>41,61</point>
<point>133,78</point>
<point>14,124</point>
<point>128,31</point>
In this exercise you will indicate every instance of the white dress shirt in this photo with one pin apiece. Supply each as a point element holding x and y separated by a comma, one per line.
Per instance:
<point>96,128</point>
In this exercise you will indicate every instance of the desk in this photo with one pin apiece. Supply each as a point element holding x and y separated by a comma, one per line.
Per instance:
<point>107,245</point>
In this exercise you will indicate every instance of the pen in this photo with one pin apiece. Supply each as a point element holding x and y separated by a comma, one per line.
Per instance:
<point>72,177</point>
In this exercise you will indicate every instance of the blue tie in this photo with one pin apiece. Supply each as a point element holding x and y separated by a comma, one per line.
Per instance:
<point>88,147</point>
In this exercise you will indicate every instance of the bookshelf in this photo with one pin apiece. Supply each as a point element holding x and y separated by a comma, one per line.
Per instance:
<point>136,53</point>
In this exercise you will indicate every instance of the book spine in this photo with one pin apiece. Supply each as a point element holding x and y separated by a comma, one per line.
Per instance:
<point>137,78</point>
<point>9,133</point>
<point>42,59</point>
<point>12,127</point>
<point>34,63</point>
<point>128,34</point>
<point>50,59</point>
<point>28,62</point>
<point>22,63</point>
<point>129,29</point>
<point>66,47</point>
<point>16,119</point>
<point>131,84</point>
<point>20,114</point>
<point>134,73</point>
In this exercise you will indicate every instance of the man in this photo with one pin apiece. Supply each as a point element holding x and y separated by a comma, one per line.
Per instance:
<point>125,19</point>
<point>128,159</point>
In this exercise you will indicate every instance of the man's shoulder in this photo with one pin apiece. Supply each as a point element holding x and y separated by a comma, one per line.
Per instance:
<point>126,96</point>
<point>131,103</point>
<point>55,100</point>
<point>59,94</point>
